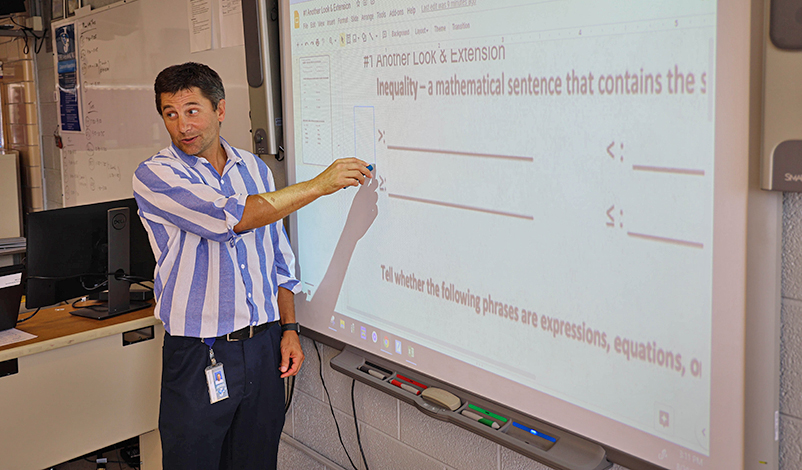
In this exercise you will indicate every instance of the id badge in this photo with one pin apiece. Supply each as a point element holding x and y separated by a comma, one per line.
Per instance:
<point>216,380</point>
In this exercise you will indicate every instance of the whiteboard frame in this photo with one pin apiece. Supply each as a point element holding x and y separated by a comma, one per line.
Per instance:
<point>747,250</point>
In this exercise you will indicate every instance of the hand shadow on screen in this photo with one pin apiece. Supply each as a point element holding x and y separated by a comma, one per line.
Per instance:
<point>363,212</point>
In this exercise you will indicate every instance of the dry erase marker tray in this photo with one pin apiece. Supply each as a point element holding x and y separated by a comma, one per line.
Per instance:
<point>509,428</point>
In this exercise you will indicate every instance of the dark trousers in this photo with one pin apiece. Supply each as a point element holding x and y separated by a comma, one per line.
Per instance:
<point>241,432</point>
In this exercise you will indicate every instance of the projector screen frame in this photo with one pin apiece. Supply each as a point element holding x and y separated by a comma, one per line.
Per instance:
<point>756,228</point>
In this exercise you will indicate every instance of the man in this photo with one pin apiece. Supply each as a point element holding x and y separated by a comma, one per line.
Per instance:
<point>224,279</point>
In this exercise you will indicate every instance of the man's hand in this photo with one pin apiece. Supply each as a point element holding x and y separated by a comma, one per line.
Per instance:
<point>291,354</point>
<point>341,174</point>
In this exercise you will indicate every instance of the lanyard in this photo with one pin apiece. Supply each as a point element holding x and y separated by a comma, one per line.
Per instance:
<point>210,342</point>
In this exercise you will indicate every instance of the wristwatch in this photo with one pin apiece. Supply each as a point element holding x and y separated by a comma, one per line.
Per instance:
<point>292,327</point>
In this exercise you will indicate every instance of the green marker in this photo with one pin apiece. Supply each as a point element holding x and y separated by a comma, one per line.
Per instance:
<point>492,415</point>
<point>488,422</point>
<point>485,421</point>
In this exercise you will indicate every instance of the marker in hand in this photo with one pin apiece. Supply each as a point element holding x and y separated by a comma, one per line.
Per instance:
<point>370,168</point>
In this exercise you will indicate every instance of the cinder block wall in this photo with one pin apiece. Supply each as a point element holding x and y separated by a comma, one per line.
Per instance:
<point>791,335</point>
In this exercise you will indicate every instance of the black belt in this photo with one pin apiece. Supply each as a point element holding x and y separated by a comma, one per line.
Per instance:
<point>245,333</point>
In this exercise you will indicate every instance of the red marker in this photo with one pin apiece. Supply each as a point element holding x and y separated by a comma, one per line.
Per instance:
<point>402,385</point>
<point>411,381</point>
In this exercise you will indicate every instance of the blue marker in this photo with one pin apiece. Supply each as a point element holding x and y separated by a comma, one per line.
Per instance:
<point>370,168</point>
<point>534,432</point>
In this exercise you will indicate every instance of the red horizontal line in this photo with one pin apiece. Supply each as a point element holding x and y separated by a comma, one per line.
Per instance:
<point>673,241</point>
<point>465,154</point>
<point>659,169</point>
<point>460,206</point>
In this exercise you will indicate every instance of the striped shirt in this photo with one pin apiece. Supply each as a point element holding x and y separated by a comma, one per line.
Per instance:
<point>210,281</point>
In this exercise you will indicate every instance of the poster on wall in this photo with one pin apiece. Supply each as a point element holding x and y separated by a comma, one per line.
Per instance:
<point>67,68</point>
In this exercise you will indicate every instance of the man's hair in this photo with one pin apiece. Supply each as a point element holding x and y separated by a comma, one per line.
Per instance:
<point>188,75</point>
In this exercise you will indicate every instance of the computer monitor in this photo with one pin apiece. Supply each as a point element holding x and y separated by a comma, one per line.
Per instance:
<point>83,250</point>
<point>7,7</point>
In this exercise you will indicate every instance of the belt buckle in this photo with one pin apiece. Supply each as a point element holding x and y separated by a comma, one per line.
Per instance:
<point>250,334</point>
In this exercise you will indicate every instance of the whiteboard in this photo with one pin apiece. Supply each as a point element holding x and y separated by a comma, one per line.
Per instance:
<point>557,218</point>
<point>120,50</point>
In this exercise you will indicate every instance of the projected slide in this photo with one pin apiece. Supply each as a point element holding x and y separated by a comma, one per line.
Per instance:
<point>543,196</point>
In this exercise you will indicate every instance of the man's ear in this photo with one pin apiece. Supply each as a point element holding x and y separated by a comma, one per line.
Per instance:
<point>221,111</point>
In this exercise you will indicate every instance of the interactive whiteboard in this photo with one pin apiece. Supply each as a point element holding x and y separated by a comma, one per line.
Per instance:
<point>557,216</point>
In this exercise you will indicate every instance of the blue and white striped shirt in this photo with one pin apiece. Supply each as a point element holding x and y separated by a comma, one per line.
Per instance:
<point>210,281</point>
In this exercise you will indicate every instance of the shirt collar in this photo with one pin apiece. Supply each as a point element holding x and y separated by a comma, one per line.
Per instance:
<point>231,153</point>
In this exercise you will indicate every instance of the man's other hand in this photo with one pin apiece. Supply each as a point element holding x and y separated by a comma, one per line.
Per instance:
<point>292,356</point>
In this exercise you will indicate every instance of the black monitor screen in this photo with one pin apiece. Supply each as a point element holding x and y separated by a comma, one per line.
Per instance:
<point>8,7</point>
<point>68,251</point>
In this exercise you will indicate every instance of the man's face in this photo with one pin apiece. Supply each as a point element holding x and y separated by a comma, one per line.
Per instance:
<point>193,124</point>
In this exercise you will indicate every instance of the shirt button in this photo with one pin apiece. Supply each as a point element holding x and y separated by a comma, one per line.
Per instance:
<point>249,295</point>
<point>242,266</point>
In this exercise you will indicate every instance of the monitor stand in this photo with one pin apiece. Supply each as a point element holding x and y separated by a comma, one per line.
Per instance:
<point>119,264</point>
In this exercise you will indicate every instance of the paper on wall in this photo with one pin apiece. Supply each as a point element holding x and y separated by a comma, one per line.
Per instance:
<point>200,25</point>
<point>231,23</point>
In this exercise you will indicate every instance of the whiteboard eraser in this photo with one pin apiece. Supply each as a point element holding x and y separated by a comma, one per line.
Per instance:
<point>441,398</point>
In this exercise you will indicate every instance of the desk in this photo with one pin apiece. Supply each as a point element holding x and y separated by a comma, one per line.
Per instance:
<point>78,388</point>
